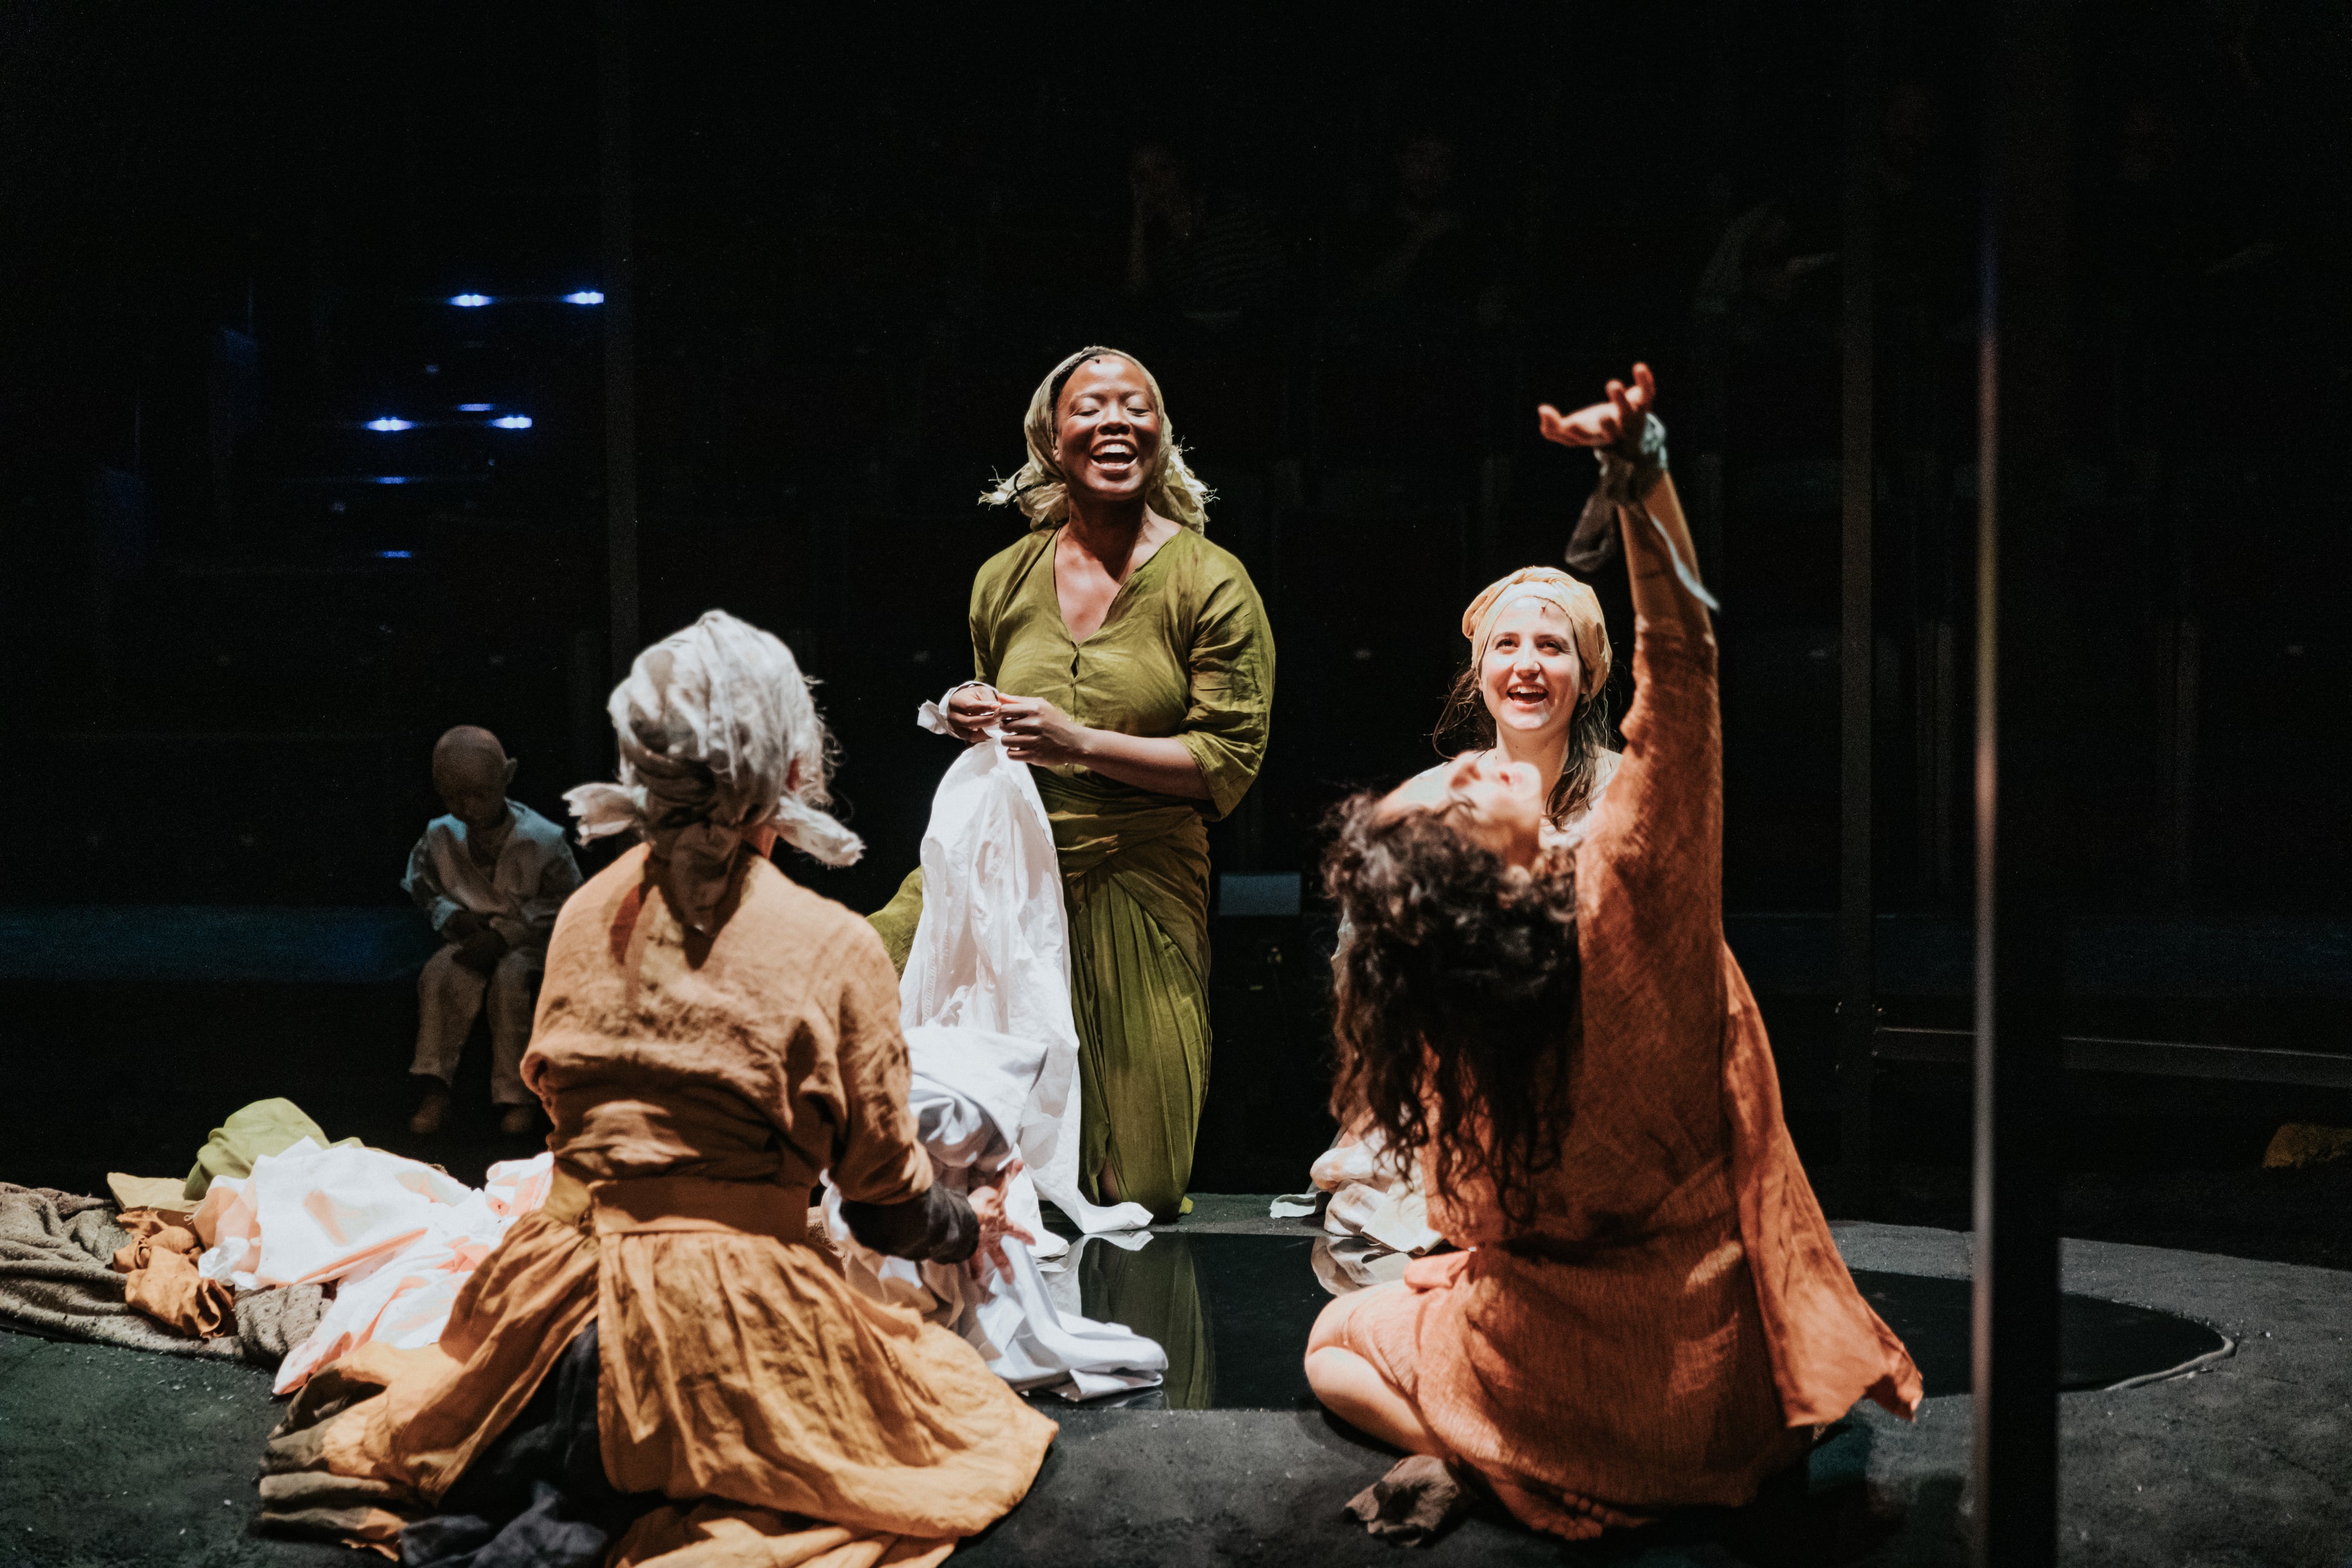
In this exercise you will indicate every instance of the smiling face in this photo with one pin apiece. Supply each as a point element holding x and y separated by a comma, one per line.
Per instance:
<point>1495,804</point>
<point>1530,676</point>
<point>1106,430</point>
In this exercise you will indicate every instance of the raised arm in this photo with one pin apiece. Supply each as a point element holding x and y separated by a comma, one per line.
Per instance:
<point>1660,594</point>
<point>1660,591</point>
<point>1662,820</point>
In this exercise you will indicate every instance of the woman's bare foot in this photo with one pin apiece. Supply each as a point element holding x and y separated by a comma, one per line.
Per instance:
<point>1415,1503</point>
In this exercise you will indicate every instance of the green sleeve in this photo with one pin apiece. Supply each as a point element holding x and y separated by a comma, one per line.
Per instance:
<point>895,921</point>
<point>983,639</point>
<point>1232,662</point>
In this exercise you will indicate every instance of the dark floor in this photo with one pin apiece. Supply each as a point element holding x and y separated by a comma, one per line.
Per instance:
<point>114,1458</point>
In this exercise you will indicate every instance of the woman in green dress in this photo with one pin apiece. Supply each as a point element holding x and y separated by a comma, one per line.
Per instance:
<point>1127,659</point>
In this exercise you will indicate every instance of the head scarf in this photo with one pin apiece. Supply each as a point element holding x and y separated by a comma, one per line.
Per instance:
<point>1550,586</point>
<point>712,723</point>
<point>1041,488</point>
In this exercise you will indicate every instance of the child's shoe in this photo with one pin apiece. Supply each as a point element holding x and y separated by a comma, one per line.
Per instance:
<point>431,1112</point>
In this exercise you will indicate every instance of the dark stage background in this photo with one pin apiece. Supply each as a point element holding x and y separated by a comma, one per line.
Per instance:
<point>238,613</point>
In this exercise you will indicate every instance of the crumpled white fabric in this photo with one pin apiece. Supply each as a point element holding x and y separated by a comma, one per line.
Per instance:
<point>1029,1337</point>
<point>1348,1263</point>
<point>993,1053</point>
<point>985,998</point>
<point>1371,1197</point>
<point>398,1238</point>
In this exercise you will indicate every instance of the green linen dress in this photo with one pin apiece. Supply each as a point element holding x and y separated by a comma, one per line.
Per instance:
<point>1184,651</point>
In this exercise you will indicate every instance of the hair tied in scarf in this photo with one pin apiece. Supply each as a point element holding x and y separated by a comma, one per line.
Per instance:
<point>712,723</point>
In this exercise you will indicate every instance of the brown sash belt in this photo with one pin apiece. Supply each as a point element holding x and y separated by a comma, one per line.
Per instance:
<point>644,1206</point>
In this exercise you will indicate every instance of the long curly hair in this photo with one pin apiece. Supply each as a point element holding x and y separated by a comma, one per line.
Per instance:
<point>1040,488</point>
<point>1458,1011</point>
<point>1465,723</point>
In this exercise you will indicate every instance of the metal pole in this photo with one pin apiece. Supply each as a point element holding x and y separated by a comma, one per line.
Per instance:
<point>620,336</point>
<point>2019,779</point>
<point>1857,1002</point>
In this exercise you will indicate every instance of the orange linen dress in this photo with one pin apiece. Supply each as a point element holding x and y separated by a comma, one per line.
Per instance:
<point>698,1087</point>
<point>1674,1319</point>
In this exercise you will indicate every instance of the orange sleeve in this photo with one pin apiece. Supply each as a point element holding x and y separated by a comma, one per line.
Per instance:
<point>1659,830</point>
<point>875,1156</point>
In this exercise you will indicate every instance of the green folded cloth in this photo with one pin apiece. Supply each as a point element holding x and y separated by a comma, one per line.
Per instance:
<point>264,1127</point>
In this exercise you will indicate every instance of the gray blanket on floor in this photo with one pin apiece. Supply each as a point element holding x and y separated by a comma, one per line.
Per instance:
<point>58,1280</point>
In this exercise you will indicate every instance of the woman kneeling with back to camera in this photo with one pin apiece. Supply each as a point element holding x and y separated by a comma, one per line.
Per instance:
<point>1647,1311</point>
<point>661,1366</point>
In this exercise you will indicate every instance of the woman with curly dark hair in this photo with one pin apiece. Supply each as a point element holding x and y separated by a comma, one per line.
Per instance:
<point>1533,692</point>
<point>1647,1309</point>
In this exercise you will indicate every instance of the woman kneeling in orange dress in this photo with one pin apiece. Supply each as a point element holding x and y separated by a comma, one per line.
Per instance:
<point>1647,1309</point>
<point>702,1382</point>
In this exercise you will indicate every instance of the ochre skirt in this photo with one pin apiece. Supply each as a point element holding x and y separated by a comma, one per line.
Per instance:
<point>740,1376</point>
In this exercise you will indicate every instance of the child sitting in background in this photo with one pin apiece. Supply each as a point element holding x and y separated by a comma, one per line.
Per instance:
<point>490,877</point>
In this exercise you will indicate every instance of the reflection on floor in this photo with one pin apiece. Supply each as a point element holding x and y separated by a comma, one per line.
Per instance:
<point>1233,1313</point>
<point>2100,1343</point>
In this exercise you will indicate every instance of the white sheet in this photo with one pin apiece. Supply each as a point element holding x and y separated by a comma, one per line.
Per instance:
<point>985,1005</point>
<point>1372,1198</point>
<point>987,982</point>
<point>399,1239</point>
<point>1010,1315</point>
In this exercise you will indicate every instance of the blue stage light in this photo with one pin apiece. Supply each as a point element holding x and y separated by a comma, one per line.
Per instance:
<point>391,555</point>
<point>476,408</point>
<point>512,422</point>
<point>469,302</point>
<point>388,422</point>
<point>391,479</point>
<point>584,297</point>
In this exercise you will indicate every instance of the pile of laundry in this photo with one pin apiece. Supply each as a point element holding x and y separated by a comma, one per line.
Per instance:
<point>278,1248</point>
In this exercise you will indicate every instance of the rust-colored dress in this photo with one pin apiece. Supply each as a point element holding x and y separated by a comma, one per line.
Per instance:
<point>1676,1318</point>
<point>698,1086</point>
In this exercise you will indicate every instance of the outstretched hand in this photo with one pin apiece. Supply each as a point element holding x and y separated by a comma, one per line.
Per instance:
<point>995,1224</point>
<point>1603,424</point>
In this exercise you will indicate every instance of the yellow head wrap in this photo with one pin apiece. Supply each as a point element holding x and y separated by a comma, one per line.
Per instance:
<point>1550,586</point>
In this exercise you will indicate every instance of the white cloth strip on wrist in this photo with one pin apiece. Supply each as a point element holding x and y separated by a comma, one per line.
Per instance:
<point>933,715</point>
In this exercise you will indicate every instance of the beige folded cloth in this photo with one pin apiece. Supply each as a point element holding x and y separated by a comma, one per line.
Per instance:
<point>168,1193</point>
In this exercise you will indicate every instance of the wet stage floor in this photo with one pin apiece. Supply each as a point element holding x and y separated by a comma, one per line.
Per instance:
<point>1234,1313</point>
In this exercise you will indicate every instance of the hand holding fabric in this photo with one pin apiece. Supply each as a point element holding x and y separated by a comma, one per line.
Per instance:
<point>971,709</point>
<point>1038,732</point>
<point>461,926</point>
<point>988,1206</point>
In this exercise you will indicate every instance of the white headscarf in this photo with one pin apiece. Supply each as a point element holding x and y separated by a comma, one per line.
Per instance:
<point>718,738</point>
